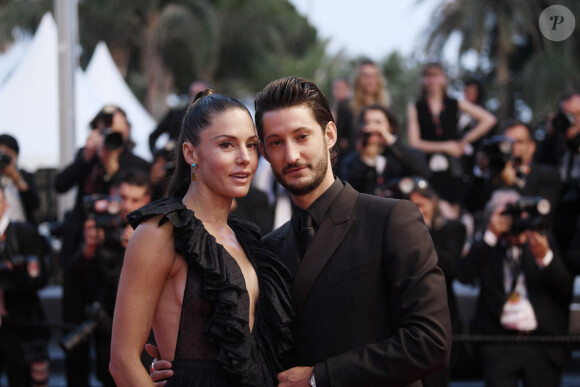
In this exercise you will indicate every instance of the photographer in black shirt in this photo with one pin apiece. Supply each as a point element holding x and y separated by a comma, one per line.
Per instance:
<point>97,165</point>
<point>561,149</point>
<point>23,271</point>
<point>98,263</point>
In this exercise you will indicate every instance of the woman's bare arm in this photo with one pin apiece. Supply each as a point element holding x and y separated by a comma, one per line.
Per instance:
<point>147,265</point>
<point>485,120</point>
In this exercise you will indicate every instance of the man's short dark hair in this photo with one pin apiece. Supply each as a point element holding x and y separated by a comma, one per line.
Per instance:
<point>565,97</point>
<point>289,92</point>
<point>392,120</point>
<point>511,122</point>
<point>10,142</point>
<point>134,177</point>
<point>100,120</point>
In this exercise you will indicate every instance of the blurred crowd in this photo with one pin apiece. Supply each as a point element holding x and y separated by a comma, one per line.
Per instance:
<point>502,206</point>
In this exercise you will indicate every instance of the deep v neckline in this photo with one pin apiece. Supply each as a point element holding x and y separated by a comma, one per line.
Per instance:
<point>229,256</point>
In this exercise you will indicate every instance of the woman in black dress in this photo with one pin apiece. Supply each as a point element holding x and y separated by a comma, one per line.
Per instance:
<point>217,300</point>
<point>432,126</point>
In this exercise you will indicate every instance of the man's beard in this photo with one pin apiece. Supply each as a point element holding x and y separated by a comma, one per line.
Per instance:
<point>319,168</point>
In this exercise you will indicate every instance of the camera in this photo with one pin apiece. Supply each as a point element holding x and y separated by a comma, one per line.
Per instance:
<point>97,317</point>
<point>5,159</point>
<point>113,140</point>
<point>497,151</point>
<point>402,188</point>
<point>562,121</point>
<point>105,211</point>
<point>528,213</point>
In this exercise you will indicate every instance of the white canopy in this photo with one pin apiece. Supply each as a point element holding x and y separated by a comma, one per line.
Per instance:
<point>106,80</point>
<point>12,56</point>
<point>29,107</point>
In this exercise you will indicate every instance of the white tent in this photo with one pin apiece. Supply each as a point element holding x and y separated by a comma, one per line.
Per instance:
<point>29,101</point>
<point>12,56</point>
<point>106,80</point>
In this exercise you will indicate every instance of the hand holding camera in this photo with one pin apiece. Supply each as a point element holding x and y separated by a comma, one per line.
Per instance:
<point>373,139</point>
<point>521,221</point>
<point>539,245</point>
<point>105,225</point>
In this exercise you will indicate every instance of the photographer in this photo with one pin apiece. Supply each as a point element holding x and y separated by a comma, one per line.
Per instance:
<point>19,187</point>
<point>561,148</point>
<point>380,156</point>
<point>515,169</point>
<point>23,271</point>
<point>107,153</point>
<point>525,290</point>
<point>99,261</point>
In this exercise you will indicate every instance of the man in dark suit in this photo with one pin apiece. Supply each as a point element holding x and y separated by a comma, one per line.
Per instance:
<point>370,301</point>
<point>525,290</point>
<point>96,168</point>
<point>369,298</point>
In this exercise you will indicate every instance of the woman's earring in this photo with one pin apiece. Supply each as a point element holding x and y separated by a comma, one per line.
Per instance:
<point>193,172</point>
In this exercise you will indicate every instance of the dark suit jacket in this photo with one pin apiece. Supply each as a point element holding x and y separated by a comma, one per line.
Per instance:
<point>448,238</point>
<point>369,298</point>
<point>21,289</point>
<point>549,292</point>
<point>30,199</point>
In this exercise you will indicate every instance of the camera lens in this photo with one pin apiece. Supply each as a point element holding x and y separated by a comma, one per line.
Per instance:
<point>5,159</point>
<point>113,140</point>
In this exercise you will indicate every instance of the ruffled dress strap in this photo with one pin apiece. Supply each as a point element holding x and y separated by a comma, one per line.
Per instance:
<point>252,358</point>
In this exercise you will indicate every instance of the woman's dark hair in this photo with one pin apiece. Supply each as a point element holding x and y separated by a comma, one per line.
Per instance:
<point>393,122</point>
<point>478,85</point>
<point>198,116</point>
<point>288,92</point>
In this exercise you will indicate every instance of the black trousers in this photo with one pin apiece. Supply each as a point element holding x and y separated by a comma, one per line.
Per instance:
<point>505,364</point>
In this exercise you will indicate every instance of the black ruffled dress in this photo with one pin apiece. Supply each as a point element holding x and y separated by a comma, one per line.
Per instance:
<point>214,345</point>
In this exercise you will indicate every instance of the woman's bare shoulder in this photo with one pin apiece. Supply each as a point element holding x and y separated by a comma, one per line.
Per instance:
<point>152,241</point>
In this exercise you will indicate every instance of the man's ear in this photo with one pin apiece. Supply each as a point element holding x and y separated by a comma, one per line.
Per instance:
<point>263,151</point>
<point>330,134</point>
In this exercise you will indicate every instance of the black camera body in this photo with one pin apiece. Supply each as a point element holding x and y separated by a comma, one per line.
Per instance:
<point>5,159</point>
<point>561,122</point>
<point>113,140</point>
<point>498,150</point>
<point>528,213</point>
<point>97,317</point>
<point>105,211</point>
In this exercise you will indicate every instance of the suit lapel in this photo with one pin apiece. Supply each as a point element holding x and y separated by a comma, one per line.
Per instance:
<point>330,234</point>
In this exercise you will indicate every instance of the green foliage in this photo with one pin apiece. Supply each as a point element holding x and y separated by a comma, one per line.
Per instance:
<point>525,66</point>
<point>20,14</point>
<point>237,45</point>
